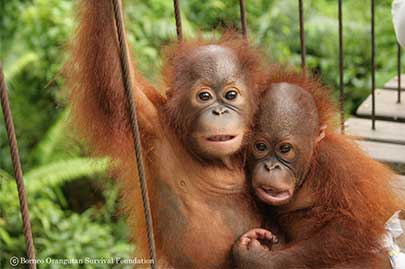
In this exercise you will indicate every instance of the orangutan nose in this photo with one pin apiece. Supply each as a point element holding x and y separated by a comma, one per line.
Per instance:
<point>220,110</point>
<point>269,166</point>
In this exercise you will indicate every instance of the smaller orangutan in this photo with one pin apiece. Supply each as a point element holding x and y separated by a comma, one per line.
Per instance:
<point>328,197</point>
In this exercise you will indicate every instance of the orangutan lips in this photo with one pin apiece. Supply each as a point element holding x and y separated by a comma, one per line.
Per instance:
<point>220,138</point>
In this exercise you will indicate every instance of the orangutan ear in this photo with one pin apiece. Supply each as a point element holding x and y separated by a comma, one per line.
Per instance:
<point>321,134</point>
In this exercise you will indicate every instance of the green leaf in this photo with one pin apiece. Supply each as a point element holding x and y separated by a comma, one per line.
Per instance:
<point>19,65</point>
<point>54,136</point>
<point>59,172</point>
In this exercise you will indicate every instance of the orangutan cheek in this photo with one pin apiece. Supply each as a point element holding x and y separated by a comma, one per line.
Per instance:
<point>303,163</point>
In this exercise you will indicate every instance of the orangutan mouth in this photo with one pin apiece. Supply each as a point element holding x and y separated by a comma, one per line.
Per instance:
<point>275,193</point>
<point>273,196</point>
<point>220,138</point>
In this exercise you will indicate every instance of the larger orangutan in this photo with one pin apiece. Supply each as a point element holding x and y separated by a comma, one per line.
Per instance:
<point>328,197</point>
<point>192,138</point>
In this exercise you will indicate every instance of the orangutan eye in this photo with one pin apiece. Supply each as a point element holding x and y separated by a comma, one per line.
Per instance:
<point>260,146</point>
<point>204,96</point>
<point>230,95</point>
<point>285,148</point>
<point>288,152</point>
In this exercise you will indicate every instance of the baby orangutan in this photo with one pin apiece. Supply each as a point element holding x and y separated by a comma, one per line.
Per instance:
<point>328,197</point>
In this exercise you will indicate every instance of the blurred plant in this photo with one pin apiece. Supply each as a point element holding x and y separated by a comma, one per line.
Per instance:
<point>32,38</point>
<point>59,232</point>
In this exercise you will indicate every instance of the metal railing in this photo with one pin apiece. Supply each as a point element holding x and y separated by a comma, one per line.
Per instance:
<point>341,61</point>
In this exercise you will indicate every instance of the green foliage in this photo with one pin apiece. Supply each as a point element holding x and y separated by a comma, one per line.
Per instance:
<point>59,232</point>
<point>273,26</point>
<point>33,38</point>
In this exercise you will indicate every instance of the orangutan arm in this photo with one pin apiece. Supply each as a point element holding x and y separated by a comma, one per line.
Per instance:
<point>331,247</point>
<point>94,75</point>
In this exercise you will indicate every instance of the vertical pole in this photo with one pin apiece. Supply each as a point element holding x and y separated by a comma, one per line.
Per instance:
<point>399,72</point>
<point>177,15</point>
<point>12,140</point>
<point>128,87</point>
<point>243,22</point>
<point>372,65</point>
<point>302,33</point>
<point>341,73</point>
